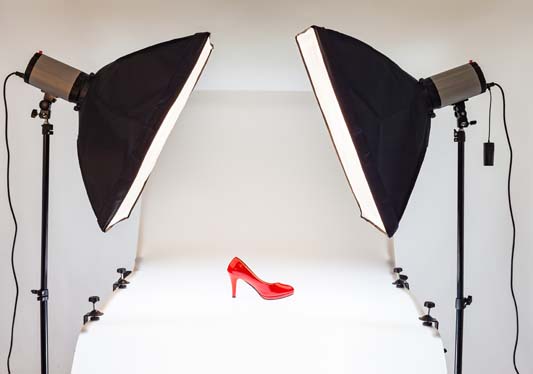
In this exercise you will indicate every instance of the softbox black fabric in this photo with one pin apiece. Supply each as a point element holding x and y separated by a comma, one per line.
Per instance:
<point>387,114</point>
<point>126,103</point>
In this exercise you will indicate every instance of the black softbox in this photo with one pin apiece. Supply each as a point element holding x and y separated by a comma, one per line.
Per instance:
<point>378,117</point>
<point>126,113</point>
<point>125,117</point>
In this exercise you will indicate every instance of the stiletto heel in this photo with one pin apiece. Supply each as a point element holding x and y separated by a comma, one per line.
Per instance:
<point>237,269</point>
<point>233,285</point>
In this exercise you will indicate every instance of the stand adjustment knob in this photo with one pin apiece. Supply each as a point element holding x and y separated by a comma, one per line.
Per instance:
<point>123,272</point>
<point>463,303</point>
<point>42,295</point>
<point>34,113</point>
<point>94,299</point>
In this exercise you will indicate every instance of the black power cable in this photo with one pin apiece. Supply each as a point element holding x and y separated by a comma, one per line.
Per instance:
<point>490,112</point>
<point>512,221</point>
<point>14,221</point>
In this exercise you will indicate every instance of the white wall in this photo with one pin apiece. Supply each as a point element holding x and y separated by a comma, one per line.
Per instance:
<point>255,50</point>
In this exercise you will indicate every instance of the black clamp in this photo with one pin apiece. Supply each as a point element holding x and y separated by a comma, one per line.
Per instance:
<point>45,107</point>
<point>428,320</point>
<point>459,136</point>
<point>42,295</point>
<point>93,315</point>
<point>122,283</point>
<point>459,110</point>
<point>461,304</point>
<point>45,112</point>
<point>48,128</point>
<point>401,282</point>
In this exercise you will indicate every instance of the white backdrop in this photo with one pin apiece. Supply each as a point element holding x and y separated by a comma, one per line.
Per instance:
<point>240,177</point>
<point>255,50</point>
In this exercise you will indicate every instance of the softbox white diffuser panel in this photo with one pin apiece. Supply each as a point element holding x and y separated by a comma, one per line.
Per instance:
<point>254,175</point>
<point>316,68</point>
<point>160,138</point>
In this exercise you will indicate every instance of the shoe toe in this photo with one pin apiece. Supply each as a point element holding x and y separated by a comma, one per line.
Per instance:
<point>284,289</point>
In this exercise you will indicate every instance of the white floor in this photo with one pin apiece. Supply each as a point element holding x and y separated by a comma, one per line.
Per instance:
<point>180,318</point>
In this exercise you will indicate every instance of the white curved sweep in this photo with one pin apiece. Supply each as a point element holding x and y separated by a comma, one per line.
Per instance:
<point>254,175</point>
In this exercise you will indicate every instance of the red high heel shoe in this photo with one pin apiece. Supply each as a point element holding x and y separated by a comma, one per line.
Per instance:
<point>269,291</point>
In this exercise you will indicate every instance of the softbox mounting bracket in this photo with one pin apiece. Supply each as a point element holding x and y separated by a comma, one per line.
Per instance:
<point>459,110</point>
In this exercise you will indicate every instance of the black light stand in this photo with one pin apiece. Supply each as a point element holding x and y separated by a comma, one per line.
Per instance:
<point>42,294</point>
<point>460,302</point>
